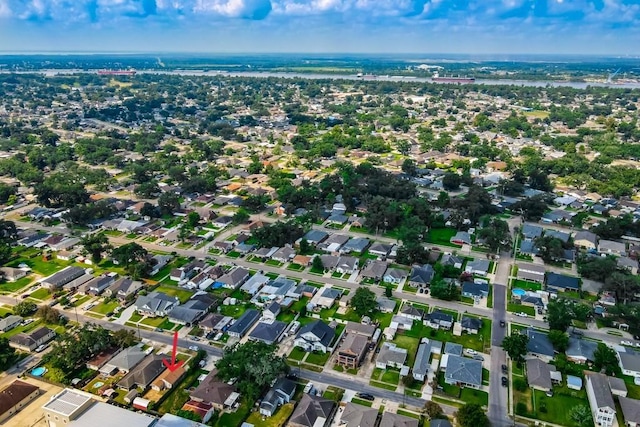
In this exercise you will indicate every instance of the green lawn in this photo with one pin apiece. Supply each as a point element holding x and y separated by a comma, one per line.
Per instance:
<point>555,409</point>
<point>470,395</point>
<point>361,402</point>
<point>153,321</point>
<point>40,266</point>
<point>390,376</point>
<point>4,311</point>
<point>277,420</point>
<point>441,236</point>
<point>295,267</point>
<point>519,308</point>
<point>105,307</point>
<point>274,263</point>
<point>235,418</point>
<point>10,287</point>
<point>409,343</point>
<point>182,294</point>
<point>382,385</point>
<point>178,395</point>
<point>297,354</point>
<point>476,342</point>
<point>318,358</point>
<point>41,294</point>
<point>135,317</point>
<point>234,311</point>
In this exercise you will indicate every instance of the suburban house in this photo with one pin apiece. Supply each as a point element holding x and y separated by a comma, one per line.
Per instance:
<point>11,274</point>
<point>475,289</point>
<point>253,285</point>
<point>192,310</point>
<point>312,411</point>
<point>581,350</point>
<point>358,416</point>
<point>355,244</point>
<point>630,411</point>
<point>284,254</point>
<point>244,323</point>
<point>452,260</point>
<point>471,325</point>
<point>127,359</point>
<point>271,311</point>
<point>462,371</point>
<point>97,285</point>
<point>461,238</point>
<point>539,374</point>
<point>399,321</point>
<point>629,362</point>
<point>276,288</point>
<point>100,359</point>
<point>16,396</point>
<point>32,340</point>
<point>333,243</point>
<point>478,267</point>
<point>438,319</point>
<point>168,379</point>
<point>539,344</point>
<point>217,393</point>
<point>628,264</point>
<point>347,264</point>
<point>9,322</point>
<point>421,363</point>
<point>562,283</point>
<point>603,408</point>
<point>123,287</point>
<point>233,279</point>
<point>155,304</point>
<point>374,270</point>
<point>315,336</point>
<point>421,276</point>
<point>324,298</point>
<point>381,250</point>
<point>315,237</point>
<point>268,332</point>
<point>586,240</point>
<point>394,275</point>
<point>531,232</point>
<point>280,393</point>
<point>352,350</point>
<point>531,272</point>
<point>610,247</point>
<point>386,305</point>
<point>143,374</point>
<point>412,312</point>
<point>391,356</point>
<point>453,348</point>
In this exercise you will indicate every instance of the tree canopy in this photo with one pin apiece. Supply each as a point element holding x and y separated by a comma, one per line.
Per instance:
<point>363,301</point>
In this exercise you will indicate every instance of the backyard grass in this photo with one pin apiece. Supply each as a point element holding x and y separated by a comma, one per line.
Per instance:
<point>182,294</point>
<point>40,266</point>
<point>441,236</point>
<point>235,418</point>
<point>234,311</point>
<point>409,343</point>
<point>41,294</point>
<point>10,287</point>
<point>476,342</point>
<point>277,420</point>
<point>179,395</point>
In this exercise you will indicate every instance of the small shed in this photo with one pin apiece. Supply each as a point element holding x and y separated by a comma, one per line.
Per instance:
<point>574,383</point>
<point>130,397</point>
<point>140,403</point>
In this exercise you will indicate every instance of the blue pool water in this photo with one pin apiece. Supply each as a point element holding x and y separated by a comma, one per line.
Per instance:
<point>39,371</point>
<point>518,292</point>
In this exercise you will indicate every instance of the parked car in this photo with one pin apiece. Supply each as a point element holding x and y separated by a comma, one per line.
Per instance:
<point>194,347</point>
<point>365,396</point>
<point>502,323</point>
<point>470,351</point>
<point>159,330</point>
<point>41,348</point>
<point>505,369</point>
<point>478,357</point>
<point>505,382</point>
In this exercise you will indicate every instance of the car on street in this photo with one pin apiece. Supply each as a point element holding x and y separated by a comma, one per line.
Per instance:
<point>159,330</point>
<point>505,382</point>
<point>623,342</point>
<point>502,323</point>
<point>194,347</point>
<point>365,396</point>
<point>505,369</point>
<point>522,314</point>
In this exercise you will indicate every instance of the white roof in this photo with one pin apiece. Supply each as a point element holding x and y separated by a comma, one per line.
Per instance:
<point>105,415</point>
<point>67,402</point>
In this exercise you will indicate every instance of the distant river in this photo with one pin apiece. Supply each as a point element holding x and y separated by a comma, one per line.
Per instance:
<point>318,76</point>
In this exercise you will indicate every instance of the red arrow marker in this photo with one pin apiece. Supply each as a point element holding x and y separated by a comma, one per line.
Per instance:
<point>172,366</point>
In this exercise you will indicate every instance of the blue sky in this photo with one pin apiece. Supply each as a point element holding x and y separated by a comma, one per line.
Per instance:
<point>376,26</point>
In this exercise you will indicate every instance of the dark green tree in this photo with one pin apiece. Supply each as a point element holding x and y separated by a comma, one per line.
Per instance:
<point>168,203</point>
<point>472,415</point>
<point>25,308</point>
<point>559,339</point>
<point>605,358</point>
<point>363,301</point>
<point>95,245</point>
<point>516,346</point>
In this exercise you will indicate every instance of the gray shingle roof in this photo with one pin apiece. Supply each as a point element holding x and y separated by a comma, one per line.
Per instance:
<point>539,343</point>
<point>538,374</point>
<point>268,332</point>
<point>464,370</point>
<point>601,390</point>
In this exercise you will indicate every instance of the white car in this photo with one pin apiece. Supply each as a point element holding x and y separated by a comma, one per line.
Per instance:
<point>194,347</point>
<point>470,351</point>
<point>522,314</point>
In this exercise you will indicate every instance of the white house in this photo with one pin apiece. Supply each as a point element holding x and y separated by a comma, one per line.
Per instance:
<point>603,408</point>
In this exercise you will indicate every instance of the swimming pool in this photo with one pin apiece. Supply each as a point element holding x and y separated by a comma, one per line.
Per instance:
<point>98,384</point>
<point>39,371</point>
<point>518,292</point>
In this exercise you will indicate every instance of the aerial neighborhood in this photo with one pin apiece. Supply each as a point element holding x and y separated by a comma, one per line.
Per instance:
<point>236,251</point>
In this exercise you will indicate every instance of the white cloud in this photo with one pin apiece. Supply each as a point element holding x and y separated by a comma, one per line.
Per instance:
<point>234,8</point>
<point>5,11</point>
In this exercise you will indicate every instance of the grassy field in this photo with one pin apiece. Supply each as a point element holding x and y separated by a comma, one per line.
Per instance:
<point>277,420</point>
<point>318,358</point>
<point>10,287</point>
<point>441,236</point>
<point>40,266</point>
<point>235,418</point>
<point>297,354</point>
<point>105,307</point>
<point>519,308</point>
<point>526,285</point>
<point>41,294</point>
<point>182,294</point>
<point>409,343</point>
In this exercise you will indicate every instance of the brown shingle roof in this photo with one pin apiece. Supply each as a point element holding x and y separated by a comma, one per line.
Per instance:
<point>14,394</point>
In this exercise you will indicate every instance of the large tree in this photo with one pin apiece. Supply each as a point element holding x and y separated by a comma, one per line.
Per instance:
<point>95,245</point>
<point>7,354</point>
<point>550,248</point>
<point>254,365</point>
<point>8,237</point>
<point>48,314</point>
<point>168,203</point>
<point>516,346</point>
<point>605,358</point>
<point>363,301</point>
<point>559,340</point>
<point>61,190</point>
<point>472,415</point>
<point>495,235</point>
<point>134,258</point>
<point>581,415</point>
<point>25,308</point>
